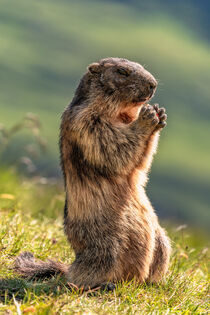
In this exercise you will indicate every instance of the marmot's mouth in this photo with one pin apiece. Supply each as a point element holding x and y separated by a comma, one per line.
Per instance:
<point>140,101</point>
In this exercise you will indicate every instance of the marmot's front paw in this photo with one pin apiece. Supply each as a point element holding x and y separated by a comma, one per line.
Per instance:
<point>148,117</point>
<point>160,113</point>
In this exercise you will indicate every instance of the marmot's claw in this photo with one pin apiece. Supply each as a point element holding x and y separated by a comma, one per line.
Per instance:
<point>161,125</point>
<point>156,107</point>
<point>161,111</point>
<point>163,117</point>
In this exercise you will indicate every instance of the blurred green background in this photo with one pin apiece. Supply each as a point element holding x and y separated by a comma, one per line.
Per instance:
<point>45,47</point>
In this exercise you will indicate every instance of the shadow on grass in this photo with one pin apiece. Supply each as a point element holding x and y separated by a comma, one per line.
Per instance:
<point>22,289</point>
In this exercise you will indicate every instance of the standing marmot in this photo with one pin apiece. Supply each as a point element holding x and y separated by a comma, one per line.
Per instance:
<point>108,137</point>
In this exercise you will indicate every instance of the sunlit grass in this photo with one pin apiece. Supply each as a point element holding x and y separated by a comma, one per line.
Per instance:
<point>24,226</point>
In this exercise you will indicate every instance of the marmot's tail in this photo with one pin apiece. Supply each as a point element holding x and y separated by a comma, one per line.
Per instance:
<point>27,266</point>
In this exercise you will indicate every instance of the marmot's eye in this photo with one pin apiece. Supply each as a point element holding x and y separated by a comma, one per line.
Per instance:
<point>123,71</point>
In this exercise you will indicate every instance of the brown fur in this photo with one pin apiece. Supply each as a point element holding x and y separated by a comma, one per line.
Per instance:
<point>107,141</point>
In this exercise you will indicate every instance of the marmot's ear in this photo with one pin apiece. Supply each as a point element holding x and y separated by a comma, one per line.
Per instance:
<point>94,67</point>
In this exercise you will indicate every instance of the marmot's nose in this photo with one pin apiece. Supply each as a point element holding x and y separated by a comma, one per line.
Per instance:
<point>151,86</point>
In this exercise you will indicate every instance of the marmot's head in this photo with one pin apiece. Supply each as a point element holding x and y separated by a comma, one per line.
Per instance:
<point>122,80</point>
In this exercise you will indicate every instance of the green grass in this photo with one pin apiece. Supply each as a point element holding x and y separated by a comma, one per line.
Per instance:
<point>25,225</point>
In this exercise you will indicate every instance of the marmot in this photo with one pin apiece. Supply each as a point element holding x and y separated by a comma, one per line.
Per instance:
<point>108,136</point>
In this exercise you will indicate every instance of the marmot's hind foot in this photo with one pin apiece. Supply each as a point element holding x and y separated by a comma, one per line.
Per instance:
<point>107,287</point>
